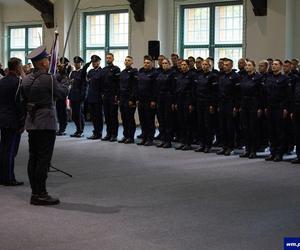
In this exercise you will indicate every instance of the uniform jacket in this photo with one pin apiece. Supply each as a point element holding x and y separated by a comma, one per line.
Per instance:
<point>41,90</point>
<point>128,84</point>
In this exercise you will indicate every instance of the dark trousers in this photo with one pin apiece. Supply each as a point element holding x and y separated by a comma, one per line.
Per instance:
<point>227,124</point>
<point>262,132</point>
<point>62,115</point>
<point>250,125</point>
<point>204,123</point>
<point>147,119</point>
<point>238,131</point>
<point>296,120</point>
<point>9,143</point>
<point>77,115</point>
<point>41,145</point>
<point>165,119</point>
<point>97,117</point>
<point>111,116</point>
<point>127,116</point>
<point>276,130</point>
<point>185,119</point>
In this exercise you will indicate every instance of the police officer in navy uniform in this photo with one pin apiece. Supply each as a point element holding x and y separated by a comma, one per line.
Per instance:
<point>11,122</point>
<point>277,104</point>
<point>229,83</point>
<point>39,91</point>
<point>206,91</point>
<point>165,85</point>
<point>94,97</point>
<point>185,104</point>
<point>252,106</point>
<point>77,95</point>
<point>147,101</point>
<point>110,86</point>
<point>128,95</point>
<point>61,105</point>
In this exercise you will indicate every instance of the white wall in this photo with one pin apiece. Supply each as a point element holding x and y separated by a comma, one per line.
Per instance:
<point>276,35</point>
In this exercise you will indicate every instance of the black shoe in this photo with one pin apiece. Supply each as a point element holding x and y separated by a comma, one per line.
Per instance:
<point>186,148</point>
<point>94,137</point>
<point>113,139</point>
<point>228,152</point>
<point>277,158</point>
<point>13,183</point>
<point>142,142</point>
<point>167,145</point>
<point>252,155</point>
<point>43,200</point>
<point>160,145</point>
<point>206,150</point>
<point>269,158</point>
<point>179,147</point>
<point>140,136</point>
<point>122,140</point>
<point>245,155</point>
<point>148,143</point>
<point>200,149</point>
<point>76,135</point>
<point>221,151</point>
<point>129,141</point>
<point>60,133</point>
<point>106,138</point>
<point>296,160</point>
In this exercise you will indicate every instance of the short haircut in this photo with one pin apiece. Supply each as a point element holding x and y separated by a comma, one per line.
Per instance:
<point>295,60</point>
<point>288,61</point>
<point>228,60</point>
<point>14,63</point>
<point>199,58</point>
<point>191,57</point>
<point>265,62</point>
<point>110,54</point>
<point>186,61</point>
<point>210,58</point>
<point>129,57</point>
<point>278,60</point>
<point>174,54</point>
<point>147,57</point>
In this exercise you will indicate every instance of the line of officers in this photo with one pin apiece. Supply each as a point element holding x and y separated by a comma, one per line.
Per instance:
<point>193,102</point>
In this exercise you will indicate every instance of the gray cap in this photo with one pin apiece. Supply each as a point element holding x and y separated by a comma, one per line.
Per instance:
<point>38,54</point>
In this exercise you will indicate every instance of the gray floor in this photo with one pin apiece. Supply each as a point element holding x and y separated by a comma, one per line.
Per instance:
<point>130,197</point>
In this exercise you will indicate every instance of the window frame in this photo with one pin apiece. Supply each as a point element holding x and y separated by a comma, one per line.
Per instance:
<point>26,48</point>
<point>107,48</point>
<point>212,45</point>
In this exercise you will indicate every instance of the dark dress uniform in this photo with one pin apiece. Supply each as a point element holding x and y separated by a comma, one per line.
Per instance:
<point>277,99</point>
<point>61,107</point>
<point>128,92</point>
<point>206,91</point>
<point>185,97</point>
<point>39,91</point>
<point>165,85</point>
<point>110,86</point>
<point>229,84</point>
<point>11,121</point>
<point>295,109</point>
<point>77,97</point>
<point>94,100</point>
<point>251,102</point>
<point>146,95</point>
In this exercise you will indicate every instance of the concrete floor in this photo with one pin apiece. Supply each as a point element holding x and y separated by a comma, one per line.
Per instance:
<point>130,197</point>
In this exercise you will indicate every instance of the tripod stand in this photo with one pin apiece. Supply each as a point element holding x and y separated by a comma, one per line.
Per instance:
<point>58,170</point>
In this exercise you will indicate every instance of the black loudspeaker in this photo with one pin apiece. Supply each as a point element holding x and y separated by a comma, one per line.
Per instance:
<point>154,49</point>
<point>259,7</point>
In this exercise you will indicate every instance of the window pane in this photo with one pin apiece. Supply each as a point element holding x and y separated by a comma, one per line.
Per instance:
<point>233,53</point>
<point>196,26</point>
<point>19,54</point>
<point>95,31</point>
<point>35,37</point>
<point>229,24</point>
<point>100,53</point>
<point>203,52</point>
<point>119,55</point>
<point>17,38</point>
<point>119,29</point>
